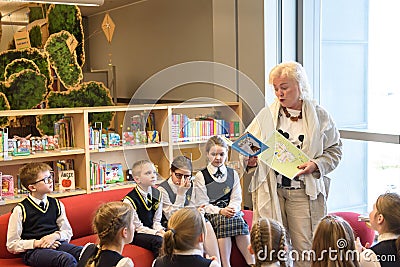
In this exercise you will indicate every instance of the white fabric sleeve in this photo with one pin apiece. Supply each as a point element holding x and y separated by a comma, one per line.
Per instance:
<point>15,244</point>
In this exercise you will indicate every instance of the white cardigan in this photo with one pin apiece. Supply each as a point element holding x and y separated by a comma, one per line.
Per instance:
<point>322,144</point>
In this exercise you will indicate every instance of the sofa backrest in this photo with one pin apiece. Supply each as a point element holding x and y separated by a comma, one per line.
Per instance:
<point>4,254</point>
<point>81,209</point>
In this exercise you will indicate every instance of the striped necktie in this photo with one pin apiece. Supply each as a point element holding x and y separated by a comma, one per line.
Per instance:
<point>148,199</point>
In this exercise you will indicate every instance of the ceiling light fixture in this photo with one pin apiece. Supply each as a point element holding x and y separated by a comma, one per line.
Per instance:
<point>63,2</point>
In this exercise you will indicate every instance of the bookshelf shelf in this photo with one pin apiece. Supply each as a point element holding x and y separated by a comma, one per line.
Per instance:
<point>12,160</point>
<point>160,153</point>
<point>122,148</point>
<point>17,198</point>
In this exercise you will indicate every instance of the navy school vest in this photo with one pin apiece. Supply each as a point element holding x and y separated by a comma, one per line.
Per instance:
<point>219,193</point>
<point>387,253</point>
<point>144,211</point>
<point>183,261</point>
<point>37,222</point>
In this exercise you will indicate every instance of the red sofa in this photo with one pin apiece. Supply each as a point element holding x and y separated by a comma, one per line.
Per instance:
<point>80,210</point>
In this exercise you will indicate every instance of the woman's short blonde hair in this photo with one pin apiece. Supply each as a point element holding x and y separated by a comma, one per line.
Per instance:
<point>293,70</point>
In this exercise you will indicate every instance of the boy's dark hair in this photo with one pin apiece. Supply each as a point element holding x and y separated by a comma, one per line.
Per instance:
<point>29,173</point>
<point>182,163</point>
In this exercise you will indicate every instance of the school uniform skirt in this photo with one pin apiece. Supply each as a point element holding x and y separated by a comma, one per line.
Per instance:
<point>227,227</point>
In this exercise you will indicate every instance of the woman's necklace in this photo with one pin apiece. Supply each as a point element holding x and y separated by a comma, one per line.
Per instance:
<point>292,118</point>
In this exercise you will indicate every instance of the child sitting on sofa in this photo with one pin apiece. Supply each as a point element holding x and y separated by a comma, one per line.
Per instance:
<point>181,246</point>
<point>218,188</point>
<point>38,227</point>
<point>147,204</point>
<point>114,226</point>
<point>177,192</point>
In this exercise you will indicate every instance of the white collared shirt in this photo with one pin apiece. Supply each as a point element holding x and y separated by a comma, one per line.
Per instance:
<point>17,245</point>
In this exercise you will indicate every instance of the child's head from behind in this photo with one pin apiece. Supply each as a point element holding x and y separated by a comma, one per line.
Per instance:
<point>181,167</point>
<point>217,150</point>
<point>113,222</point>
<point>144,173</point>
<point>185,231</point>
<point>333,233</point>
<point>385,217</point>
<point>36,177</point>
<point>268,242</point>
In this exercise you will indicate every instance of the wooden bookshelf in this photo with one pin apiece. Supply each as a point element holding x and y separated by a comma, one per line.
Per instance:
<point>160,153</point>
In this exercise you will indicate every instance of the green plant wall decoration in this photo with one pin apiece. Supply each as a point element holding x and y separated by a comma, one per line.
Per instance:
<point>35,36</point>
<point>40,59</point>
<point>25,89</point>
<point>62,60</point>
<point>19,65</point>
<point>4,105</point>
<point>89,94</point>
<point>68,18</point>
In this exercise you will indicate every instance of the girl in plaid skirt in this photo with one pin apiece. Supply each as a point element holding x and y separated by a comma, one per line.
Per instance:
<point>217,188</point>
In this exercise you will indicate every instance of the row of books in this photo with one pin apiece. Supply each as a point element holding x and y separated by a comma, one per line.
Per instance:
<point>64,130</point>
<point>143,122</point>
<point>185,129</point>
<point>102,173</point>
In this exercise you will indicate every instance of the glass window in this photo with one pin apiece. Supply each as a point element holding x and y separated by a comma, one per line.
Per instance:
<point>358,86</point>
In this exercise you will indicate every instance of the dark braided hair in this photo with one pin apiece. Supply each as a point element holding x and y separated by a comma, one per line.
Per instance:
<point>109,219</point>
<point>268,241</point>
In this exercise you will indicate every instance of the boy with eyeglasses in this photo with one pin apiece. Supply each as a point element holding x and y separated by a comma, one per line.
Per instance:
<point>38,227</point>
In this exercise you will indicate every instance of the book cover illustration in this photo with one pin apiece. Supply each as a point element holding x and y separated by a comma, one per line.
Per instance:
<point>114,173</point>
<point>66,180</point>
<point>248,145</point>
<point>7,185</point>
<point>285,157</point>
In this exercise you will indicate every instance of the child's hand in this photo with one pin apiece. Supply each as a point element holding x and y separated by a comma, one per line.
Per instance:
<point>183,186</point>
<point>227,212</point>
<point>55,245</point>
<point>160,232</point>
<point>38,243</point>
<point>359,246</point>
<point>49,240</point>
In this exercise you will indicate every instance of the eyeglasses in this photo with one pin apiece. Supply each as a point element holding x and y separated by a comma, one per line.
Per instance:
<point>46,179</point>
<point>180,175</point>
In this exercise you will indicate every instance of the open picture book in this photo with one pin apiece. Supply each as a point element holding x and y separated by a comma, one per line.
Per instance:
<point>277,152</point>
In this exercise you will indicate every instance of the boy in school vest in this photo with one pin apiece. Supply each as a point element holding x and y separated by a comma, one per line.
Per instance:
<point>146,202</point>
<point>38,228</point>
